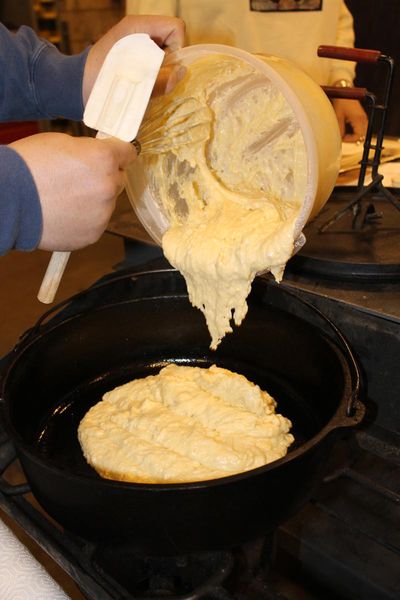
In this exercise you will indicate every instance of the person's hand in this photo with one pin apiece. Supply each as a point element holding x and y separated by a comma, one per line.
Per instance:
<point>77,179</point>
<point>167,32</point>
<point>352,113</point>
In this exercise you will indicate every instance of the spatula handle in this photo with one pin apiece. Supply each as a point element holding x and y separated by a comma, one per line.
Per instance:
<point>51,280</point>
<point>56,267</point>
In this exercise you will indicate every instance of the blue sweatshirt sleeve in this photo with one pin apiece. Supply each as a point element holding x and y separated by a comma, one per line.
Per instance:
<point>20,212</point>
<point>36,82</point>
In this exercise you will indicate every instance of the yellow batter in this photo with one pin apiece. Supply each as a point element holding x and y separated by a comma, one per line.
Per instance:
<point>184,424</point>
<point>231,201</point>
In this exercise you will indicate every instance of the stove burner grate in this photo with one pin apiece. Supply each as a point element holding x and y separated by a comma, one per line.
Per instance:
<point>363,215</point>
<point>186,577</point>
<point>345,254</point>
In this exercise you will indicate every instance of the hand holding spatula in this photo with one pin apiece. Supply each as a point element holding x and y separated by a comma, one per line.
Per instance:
<point>115,108</point>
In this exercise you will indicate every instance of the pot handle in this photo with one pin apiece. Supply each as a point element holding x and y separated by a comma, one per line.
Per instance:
<point>349,93</point>
<point>359,55</point>
<point>353,419</point>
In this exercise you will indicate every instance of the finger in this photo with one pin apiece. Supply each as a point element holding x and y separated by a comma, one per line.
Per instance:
<point>120,184</point>
<point>177,73</point>
<point>167,79</point>
<point>167,32</point>
<point>123,152</point>
<point>176,39</point>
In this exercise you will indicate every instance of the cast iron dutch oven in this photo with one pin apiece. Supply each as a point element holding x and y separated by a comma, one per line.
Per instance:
<point>131,326</point>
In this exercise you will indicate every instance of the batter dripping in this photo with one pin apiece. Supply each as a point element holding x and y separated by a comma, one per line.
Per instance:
<point>232,202</point>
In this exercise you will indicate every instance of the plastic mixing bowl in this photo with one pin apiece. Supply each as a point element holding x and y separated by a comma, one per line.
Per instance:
<point>312,112</point>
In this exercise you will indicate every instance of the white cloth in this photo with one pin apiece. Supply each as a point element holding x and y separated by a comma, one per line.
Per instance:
<point>291,35</point>
<point>22,577</point>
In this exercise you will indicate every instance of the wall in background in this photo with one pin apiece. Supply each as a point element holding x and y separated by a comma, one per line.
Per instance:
<point>14,13</point>
<point>76,22</point>
<point>377,27</point>
<point>85,21</point>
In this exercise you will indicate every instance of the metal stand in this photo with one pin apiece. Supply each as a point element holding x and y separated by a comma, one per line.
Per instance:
<point>365,214</point>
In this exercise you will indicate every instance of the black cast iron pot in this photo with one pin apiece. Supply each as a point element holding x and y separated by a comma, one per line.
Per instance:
<point>130,327</point>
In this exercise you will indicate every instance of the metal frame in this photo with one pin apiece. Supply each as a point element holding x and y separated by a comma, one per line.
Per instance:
<point>364,215</point>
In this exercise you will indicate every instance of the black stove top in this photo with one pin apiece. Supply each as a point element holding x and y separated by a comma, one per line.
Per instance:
<point>344,544</point>
<point>349,250</point>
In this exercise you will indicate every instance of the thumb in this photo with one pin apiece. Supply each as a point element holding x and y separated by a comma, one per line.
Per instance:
<point>123,152</point>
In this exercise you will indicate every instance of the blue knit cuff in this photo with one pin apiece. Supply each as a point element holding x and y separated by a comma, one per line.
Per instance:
<point>20,210</point>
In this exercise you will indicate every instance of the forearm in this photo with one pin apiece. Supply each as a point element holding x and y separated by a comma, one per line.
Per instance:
<point>36,80</point>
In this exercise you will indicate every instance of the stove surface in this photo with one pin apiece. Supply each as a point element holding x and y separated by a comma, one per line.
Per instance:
<point>362,244</point>
<point>343,545</point>
<point>365,292</point>
<point>345,542</point>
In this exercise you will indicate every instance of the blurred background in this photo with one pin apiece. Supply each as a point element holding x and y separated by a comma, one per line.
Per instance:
<point>73,24</point>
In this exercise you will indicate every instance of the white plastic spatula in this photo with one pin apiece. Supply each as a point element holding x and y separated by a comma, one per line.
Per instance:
<point>115,107</point>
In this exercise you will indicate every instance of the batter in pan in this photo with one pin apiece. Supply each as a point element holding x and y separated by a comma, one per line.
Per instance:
<point>184,424</point>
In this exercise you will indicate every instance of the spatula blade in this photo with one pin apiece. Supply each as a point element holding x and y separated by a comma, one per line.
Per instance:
<point>123,87</point>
